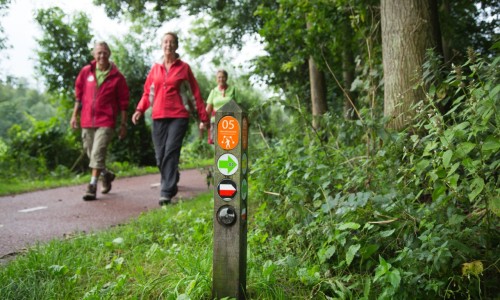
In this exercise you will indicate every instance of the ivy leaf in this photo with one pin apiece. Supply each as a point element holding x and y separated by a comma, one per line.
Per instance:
<point>453,169</point>
<point>464,148</point>
<point>395,278</point>
<point>494,206</point>
<point>453,181</point>
<point>478,186</point>
<point>387,233</point>
<point>350,225</point>
<point>421,165</point>
<point>429,147</point>
<point>368,250</point>
<point>494,91</point>
<point>447,158</point>
<point>381,269</point>
<point>351,252</point>
<point>325,254</point>
<point>439,190</point>
<point>491,144</point>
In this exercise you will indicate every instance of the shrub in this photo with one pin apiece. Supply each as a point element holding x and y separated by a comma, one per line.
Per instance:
<point>367,214</point>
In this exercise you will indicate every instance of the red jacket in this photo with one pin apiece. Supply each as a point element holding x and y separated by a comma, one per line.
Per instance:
<point>100,105</point>
<point>171,93</point>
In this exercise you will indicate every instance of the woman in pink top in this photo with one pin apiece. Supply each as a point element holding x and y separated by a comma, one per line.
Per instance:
<point>169,89</point>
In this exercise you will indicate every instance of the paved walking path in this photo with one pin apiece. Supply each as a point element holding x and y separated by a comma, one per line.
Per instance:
<point>29,218</point>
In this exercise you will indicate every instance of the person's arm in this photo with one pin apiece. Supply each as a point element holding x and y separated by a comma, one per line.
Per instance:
<point>79,86</point>
<point>122,133</point>
<point>124,98</point>
<point>74,116</point>
<point>144,103</point>
<point>209,109</point>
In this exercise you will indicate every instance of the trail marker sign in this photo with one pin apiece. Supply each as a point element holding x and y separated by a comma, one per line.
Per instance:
<point>226,189</point>
<point>228,132</point>
<point>230,205</point>
<point>227,164</point>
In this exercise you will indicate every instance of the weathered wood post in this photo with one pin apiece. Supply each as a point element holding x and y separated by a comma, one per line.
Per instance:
<point>230,202</point>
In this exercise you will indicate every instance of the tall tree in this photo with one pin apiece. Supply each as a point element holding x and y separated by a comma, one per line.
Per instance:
<point>4,5</point>
<point>65,48</point>
<point>348,68</point>
<point>289,45</point>
<point>406,35</point>
<point>318,90</point>
<point>318,93</point>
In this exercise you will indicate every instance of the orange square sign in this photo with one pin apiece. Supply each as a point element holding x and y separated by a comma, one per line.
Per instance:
<point>228,133</point>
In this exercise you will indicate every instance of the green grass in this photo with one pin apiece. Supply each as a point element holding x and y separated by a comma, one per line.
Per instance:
<point>163,254</point>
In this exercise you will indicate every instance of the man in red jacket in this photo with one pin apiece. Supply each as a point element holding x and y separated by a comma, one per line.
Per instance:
<point>101,93</point>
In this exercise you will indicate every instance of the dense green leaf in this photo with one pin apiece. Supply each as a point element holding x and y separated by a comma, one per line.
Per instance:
<point>463,149</point>
<point>351,252</point>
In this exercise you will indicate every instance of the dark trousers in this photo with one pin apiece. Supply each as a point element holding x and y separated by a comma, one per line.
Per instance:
<point>168,135</point>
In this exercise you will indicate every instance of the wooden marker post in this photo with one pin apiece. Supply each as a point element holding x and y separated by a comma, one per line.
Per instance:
<point>230,202</point>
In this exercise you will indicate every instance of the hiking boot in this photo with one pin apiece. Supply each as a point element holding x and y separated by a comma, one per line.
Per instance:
<point>165,201</point>
<point>107,178</point>
<point>90,193</point>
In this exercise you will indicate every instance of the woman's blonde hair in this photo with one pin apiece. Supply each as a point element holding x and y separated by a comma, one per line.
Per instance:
<point>174,35</point>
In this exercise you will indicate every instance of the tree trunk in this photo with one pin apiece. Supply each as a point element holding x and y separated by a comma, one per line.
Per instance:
<point>436,26</point>
<point>406,34</point>
<point>318,93</point>
<point>445,10</point>
<point>348,72</point>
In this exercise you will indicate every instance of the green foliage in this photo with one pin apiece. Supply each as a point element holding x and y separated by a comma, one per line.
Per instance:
<point>4,5</point>
<point>44,147</point>
<point>131,59</point>
<point>197,150</point>
<point>19,103</point>
<point>366,214</point>
<point>478,20</point>
<point>153,257</point>
<point>65,48</point>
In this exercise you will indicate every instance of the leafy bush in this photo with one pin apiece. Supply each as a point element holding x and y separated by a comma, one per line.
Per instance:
<point>370,214</point>
<point>43,148</point>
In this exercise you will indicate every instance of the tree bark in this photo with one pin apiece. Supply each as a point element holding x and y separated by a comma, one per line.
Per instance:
<point>406,35</point>
<point>445,10</point>
<point>318,93</point>
<point>348,64</point>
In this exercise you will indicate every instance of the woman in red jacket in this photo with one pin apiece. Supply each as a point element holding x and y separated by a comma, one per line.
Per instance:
<point>169,89</point>
<point>101,94</point>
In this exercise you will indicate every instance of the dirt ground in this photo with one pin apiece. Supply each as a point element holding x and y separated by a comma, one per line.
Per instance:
<point>30,218</point>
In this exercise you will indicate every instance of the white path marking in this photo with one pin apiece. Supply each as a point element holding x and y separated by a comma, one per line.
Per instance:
<point>32,209</point>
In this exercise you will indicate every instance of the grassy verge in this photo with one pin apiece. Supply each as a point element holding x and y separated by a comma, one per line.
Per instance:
<point>164,254</point>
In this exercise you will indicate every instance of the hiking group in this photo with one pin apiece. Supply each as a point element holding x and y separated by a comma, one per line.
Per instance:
<point>102,97</point>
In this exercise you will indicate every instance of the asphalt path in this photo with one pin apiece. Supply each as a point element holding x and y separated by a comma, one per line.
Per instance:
<point>37,217</point>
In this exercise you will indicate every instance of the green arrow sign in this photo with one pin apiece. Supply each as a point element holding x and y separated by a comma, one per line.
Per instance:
<point>227,164</point>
